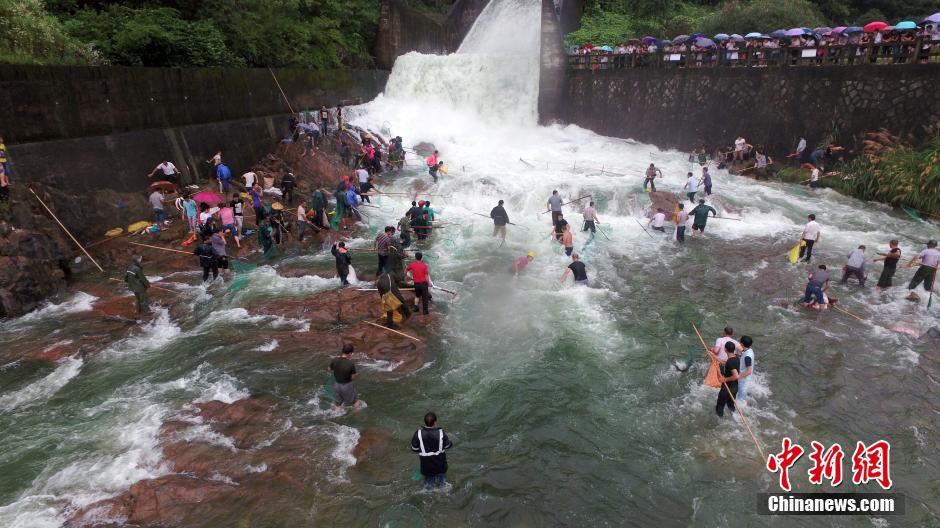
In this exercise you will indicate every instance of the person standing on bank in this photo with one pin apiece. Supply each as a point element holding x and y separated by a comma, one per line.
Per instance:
<point>430,442</point>
<point>207,258</point>
<point>137,282</point>
<point>500,219</point>
<point>169,171</point>
<point>301,219</point>
<point>422,280</point>
<point>554,205</point>
<point>590,218</point>
<point>891,259</point>
<point>810,235</point>
<point>929,259</point>
<point>344,375</point>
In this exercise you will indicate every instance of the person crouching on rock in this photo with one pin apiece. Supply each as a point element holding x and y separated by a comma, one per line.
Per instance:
<point>430,442</point>
<point>391,298</point>
<point>344,372</point>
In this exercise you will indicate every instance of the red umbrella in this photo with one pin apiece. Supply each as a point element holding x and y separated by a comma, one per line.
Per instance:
<point>207,197</point>
<point>872,27</point>
<point>163,185</point>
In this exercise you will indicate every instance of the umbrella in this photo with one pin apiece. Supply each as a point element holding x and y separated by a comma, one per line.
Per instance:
<point>852,29</point>
<point>795,32</point>
<point>906,24</point>
<point>207,197</point>
<point>604,48</point>
<point>652,40</point>
<point>752,35</point>
<point>837,30</point>
<point>822,30</point>
<point>722,36</point>
<point>703,42</point>
<point>778,34</point>
<point>737,38</point>
<point>935,18</point>
<point>873,27</point>
<point>163,185</point>
<point>680,39</point>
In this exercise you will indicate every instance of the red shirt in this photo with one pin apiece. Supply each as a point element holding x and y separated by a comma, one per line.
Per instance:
<point>419,270</point>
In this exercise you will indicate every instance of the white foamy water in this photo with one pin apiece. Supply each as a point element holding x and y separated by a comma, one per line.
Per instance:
<point>45,388</point>
<point>80,302</point>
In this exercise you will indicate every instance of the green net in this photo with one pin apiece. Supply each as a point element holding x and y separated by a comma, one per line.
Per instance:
<point>242,270</point>
<point>684,315</point>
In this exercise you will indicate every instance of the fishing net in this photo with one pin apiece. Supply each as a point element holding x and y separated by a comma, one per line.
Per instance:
<point>242,270</point>
<point>402,516</point>
<point>684,315</point>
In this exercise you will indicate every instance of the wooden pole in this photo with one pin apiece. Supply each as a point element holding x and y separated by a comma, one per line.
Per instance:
<point>571,202</point>
<point>744,419</point>
<point>452,292</point>
<point>54,217</point>
<point>643,228</point>
<point>163,249</point>
<point>393,331</point>
<point>847,312</point>
<point>281,90</point>
<point>152,286</point>
<point>376,289</point>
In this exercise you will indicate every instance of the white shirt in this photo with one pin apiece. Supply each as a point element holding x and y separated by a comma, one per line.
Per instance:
<point>217,159</point>
<point>801,146</point>
<point>739,144</point>
<point>930,257</point>
<point>693,184</point>
<point>658,219</point>
<point>301,214</point>
<point>168,168</point>
<point>204,217</point>
<point>811,231</point>
<point>363,175</point>
<point>720,344</point>
<point>250,179</point>
<point>815,176</point>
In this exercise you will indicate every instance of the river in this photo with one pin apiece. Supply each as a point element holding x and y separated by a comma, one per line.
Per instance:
<point>562,402</point>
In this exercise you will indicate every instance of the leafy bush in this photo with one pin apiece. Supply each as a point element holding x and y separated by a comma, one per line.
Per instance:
<point>30,34</point>
<point>740,16</point>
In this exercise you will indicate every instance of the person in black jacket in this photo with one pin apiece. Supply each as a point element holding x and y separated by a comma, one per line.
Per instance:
<point>385,284</point>
<point>343,261</point>
<point>207,259</point>
<point>287,187</point>
<point>430,442</point>
<point>500,219</point>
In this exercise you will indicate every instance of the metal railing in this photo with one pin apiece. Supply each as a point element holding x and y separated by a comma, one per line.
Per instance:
<point>920,51</point>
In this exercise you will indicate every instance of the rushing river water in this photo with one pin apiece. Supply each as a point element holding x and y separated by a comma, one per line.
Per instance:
<point>562,402</point>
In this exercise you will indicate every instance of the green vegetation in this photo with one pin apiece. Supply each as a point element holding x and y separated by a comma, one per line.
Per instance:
<point>899,176</point>
<point>613,21</point>
<point>291,33</point>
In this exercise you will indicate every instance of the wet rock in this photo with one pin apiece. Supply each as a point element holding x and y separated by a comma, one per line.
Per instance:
<point>424,149</point>
<point>246,422</point>
<point>373,443</point>
<point>664,200</point>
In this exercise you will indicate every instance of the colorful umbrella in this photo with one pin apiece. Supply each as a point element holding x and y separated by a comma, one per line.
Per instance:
<point>837,30</point>
<point>737,38</point>
<point>873,27</point>
<point>207,197</point>
<point>852,29</point>
<point>752,35</point>
<point>163,185</point>
<point>722,36</point>
<point>778,34</point>
<point>935,18</point>
<point>906,24</point>
<point>703,42</point>
<point>822,30</point>
<point>652,40</point>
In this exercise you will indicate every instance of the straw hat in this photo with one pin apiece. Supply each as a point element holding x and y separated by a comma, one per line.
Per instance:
<point>277,206</point>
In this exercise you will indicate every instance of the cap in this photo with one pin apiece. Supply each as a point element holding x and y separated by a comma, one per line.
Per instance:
<point>420,202</point>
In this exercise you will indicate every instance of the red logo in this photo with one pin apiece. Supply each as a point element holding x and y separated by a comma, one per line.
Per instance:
<point>826,464</point>
<point>784,460</point>
<point>872,463</point>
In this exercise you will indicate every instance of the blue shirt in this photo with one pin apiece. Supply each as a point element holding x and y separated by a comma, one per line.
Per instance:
<point>223,172</point>
<point>351,197</point>
<point>190,206</point>
<point>707,179</point>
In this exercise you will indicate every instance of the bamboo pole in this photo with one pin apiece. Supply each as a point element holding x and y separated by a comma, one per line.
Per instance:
<point>281,90</point>
<point>643,228</point>
<point>744,419</point>
<point>163,248</point>
<point>376,289</point>
<point>393,331</point>
<point>847,312</point>
<point>151,286</point>
<point>571,202</point>
<point>54,217</point>
<point>452,292</point>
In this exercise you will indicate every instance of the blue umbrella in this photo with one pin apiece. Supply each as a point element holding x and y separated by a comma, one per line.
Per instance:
<point>822,30</point>
<point>605,48</point>
<point>737,38</point>
<point>652,40</point>
<point>722,36</point>
<point>753,35</point>
<point>779,34</point>
<point>853,29</point>
<point>795,32</point>
<point>680,39</point>
<point>906,24</point>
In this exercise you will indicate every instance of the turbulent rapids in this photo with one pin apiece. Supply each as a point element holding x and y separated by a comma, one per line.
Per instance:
<point>563,403</point>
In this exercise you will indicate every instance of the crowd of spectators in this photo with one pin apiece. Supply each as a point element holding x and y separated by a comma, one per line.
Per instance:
<point>876,42</point>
